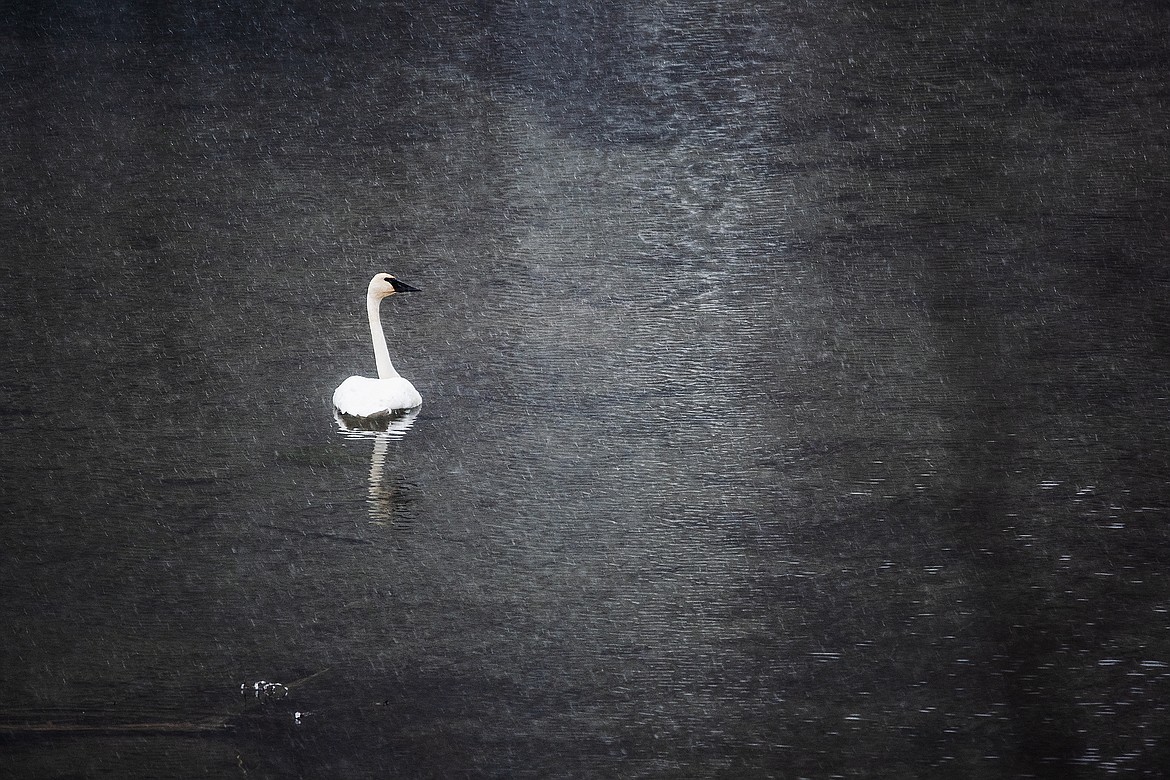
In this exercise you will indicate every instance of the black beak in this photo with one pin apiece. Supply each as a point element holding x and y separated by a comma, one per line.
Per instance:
<point>401,286</point>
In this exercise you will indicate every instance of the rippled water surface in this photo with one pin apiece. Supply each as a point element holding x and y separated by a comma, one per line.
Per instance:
<point>793,374</point>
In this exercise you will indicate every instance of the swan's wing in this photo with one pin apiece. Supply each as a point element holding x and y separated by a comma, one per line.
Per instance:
<point>356,396</point>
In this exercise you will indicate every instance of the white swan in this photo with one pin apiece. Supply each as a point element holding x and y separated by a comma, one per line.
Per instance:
<point>389,394</point>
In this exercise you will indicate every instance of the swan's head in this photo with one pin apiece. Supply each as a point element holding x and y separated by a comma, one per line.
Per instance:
<point>385,285</point>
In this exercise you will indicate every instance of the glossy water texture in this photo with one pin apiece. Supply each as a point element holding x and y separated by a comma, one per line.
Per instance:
<point>794,391</point>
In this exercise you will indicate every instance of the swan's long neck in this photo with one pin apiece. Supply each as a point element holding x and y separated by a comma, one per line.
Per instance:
<point>381,353</point>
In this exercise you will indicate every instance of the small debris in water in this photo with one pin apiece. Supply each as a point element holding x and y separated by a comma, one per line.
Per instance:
<point>266,690</point>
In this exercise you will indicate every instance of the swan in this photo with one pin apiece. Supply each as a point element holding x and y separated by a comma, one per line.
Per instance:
<point>390,394</point>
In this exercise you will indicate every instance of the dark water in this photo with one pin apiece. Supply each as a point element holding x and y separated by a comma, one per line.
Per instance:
<point>794,373</point>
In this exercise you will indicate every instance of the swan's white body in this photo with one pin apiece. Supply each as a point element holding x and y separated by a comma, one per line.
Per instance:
<point>390,393</point>
<point>361,396</point>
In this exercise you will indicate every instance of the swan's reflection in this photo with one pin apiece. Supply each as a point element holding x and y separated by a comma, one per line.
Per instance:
<point>382,499</point>
<point>393,424</point>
